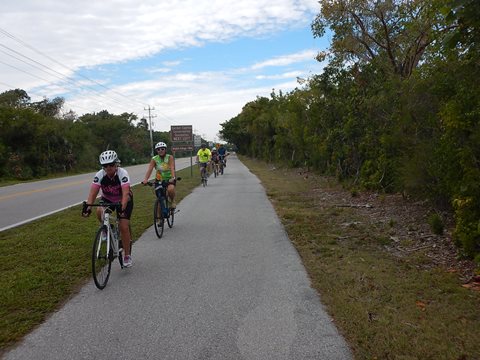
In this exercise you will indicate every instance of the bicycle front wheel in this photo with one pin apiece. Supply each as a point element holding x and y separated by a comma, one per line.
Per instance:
<point>101,259</point>
<point>158,220</point>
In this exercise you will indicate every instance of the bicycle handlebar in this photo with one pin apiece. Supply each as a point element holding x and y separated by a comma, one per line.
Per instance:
<point>166,182</point>
<point>85,205</point>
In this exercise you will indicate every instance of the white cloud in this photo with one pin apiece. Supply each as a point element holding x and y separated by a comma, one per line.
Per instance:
<point>171,63</point>
<point>307,55</point>
<point>159,70</point>
<point>287,75</point>
<point>89,34</point>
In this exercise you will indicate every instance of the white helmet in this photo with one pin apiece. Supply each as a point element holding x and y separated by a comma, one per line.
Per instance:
<point>108,157</point>
<point>160,145</point>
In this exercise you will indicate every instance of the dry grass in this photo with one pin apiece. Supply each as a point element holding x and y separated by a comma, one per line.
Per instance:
<point>388,305</point>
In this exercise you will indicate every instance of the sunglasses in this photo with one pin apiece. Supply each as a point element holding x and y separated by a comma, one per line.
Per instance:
<point>109,165</point>
<point>160,149</point>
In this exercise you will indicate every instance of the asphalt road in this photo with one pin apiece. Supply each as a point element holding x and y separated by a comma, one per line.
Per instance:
<point>22,203</point>
<point>223,283</point>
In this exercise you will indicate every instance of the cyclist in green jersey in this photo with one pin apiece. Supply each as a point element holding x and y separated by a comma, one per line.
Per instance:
<point>165,165</point>
<point>203,157</point>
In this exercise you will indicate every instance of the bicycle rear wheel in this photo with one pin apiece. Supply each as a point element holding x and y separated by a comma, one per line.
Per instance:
<point>101,258</point>
<point>158,220</point>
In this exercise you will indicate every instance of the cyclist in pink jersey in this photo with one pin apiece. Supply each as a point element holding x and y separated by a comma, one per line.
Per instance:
<point>114,182</point>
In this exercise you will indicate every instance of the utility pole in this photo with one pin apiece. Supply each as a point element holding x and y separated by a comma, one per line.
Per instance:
<point>150,126</point>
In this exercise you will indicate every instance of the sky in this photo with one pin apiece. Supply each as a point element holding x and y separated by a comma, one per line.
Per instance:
<point>191,62</point>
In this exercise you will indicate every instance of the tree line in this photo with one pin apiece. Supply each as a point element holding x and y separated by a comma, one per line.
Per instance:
<point>395,109</point>
<point>36,139</point>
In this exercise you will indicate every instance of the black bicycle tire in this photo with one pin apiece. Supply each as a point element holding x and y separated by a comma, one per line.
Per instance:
<point>158,226</point>
<point>100,282</point>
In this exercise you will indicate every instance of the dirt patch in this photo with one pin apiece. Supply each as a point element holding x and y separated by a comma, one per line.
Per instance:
<point>405,225</point>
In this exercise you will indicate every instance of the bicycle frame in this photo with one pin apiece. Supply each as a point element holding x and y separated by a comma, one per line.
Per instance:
<point>166,212</point>
<point>162,186</point>
<point>110,235</point>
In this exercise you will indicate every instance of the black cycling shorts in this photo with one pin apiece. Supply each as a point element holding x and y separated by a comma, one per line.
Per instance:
<point>127,214</point>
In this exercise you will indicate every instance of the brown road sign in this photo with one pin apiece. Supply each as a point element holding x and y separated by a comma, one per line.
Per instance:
<point>182,148</point>
<point>181,133</point>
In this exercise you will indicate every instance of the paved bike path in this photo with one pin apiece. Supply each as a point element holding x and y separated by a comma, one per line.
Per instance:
<point>224,283</point>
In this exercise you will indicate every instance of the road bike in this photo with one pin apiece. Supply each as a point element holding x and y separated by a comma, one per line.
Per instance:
<point>216,169</point>
<point>162,209</point>
<point>223,163</point>
<point>221,166</point>
<point>107,245</point>
<point>203,174</point>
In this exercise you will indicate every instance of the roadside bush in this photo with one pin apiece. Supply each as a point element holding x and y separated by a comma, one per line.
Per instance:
<point>436,224</point>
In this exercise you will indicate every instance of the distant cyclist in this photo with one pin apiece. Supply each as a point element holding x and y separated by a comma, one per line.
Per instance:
<point>165,165</point>
<point>203,157</point>
<point>115,184</point>
<point>222,152</point>
<point>215,158</point>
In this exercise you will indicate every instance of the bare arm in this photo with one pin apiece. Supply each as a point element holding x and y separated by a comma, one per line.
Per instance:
<point>151,165</point>
<point>125,196</point>
<point>91,198</point>
<point>93,194</point>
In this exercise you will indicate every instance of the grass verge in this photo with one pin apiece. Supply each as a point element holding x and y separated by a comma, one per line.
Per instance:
<point>386,307</point>
<point>44,262</point>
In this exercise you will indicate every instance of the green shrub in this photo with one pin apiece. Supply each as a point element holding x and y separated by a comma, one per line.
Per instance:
<point>436,223</point>
<point>467,229</point>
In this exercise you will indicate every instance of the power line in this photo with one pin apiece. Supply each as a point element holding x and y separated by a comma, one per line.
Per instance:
<point>43,79</point>
<point>60,76</point>
<point>66,79</point>
<point>7,85</point>
<point>63,77</point>
<point>6,33</point>
<point>26,72</point>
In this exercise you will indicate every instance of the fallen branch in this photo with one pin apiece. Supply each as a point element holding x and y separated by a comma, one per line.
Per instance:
<point>355,205</point>
<point>414,249</point>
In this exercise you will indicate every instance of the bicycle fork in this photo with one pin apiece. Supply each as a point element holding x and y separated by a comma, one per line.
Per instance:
<point>110,235</point>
